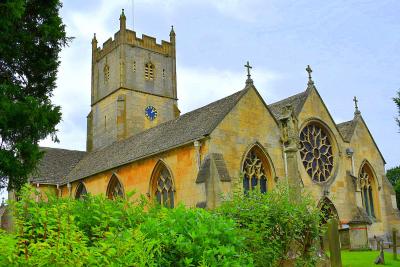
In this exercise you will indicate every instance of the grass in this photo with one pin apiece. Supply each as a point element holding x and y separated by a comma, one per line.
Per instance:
<point>366,258</point>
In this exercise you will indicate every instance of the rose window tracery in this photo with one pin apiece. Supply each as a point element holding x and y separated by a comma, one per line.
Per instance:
<point>316,152</point>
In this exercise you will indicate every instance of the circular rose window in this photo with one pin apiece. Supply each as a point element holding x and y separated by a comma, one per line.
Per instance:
<point>316,152</point>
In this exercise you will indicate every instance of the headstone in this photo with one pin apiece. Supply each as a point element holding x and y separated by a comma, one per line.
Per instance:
<point>381,258</point>
<point>394,242</point>
<point>334,243</point>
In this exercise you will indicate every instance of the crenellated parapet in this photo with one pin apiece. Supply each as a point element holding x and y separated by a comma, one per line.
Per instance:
<point>129,37</point>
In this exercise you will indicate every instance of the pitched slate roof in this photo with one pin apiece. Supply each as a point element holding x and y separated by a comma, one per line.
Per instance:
<point>296,101</point>
<point>55,165</point>
<point>185,129</point>
<point>347,129</point>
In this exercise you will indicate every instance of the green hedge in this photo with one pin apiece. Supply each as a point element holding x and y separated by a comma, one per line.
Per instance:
<point>252,230</point>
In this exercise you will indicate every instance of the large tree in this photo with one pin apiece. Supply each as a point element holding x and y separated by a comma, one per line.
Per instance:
<point>393,175</point>
<point>31,36</point>
<point>397,101</point>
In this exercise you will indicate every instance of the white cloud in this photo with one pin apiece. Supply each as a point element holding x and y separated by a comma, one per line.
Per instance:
<point>198,87</point>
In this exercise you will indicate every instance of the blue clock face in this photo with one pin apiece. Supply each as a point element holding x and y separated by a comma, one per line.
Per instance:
<point>150,112</point>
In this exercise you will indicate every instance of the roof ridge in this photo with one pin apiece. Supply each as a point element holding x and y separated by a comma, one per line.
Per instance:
<point>172,120</point>
<point>287,98</point>
<point>180,131</point>
<point>57,148</point>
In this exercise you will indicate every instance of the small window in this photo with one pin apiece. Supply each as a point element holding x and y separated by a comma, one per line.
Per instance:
<point>149,71</point>
<point>106,71</point>
<point>81,191</point>
<point>115,189</point>
<point>163,74</point>
<point>134,66</point>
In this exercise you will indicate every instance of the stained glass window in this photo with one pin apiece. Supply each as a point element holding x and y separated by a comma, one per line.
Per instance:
<point>149,71</point>
<point>114,189</point>
<point>163,188</point>
<point>254,170</point>
<point>366,191</point>
<point>316,152</point>
<point>81,191</point>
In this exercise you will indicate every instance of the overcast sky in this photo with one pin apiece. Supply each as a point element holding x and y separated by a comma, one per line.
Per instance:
<point>352,47</point>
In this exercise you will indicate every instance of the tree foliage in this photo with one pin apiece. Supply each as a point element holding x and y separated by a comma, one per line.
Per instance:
<point>397,101</point>
<point>253,230</point>
<point>393,176</point>
<point>274,227</point>
<point>98,231</point>
<point>32,35</point>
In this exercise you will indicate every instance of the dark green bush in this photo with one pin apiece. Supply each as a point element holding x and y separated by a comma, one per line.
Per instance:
<point>100,232</point>
<point>275,228</point>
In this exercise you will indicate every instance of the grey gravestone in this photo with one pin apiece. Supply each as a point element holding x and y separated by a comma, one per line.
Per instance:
<point>334,243</point>
<point>381,258</point>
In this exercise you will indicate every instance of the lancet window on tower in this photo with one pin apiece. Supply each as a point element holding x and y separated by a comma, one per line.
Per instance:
<point>163,187</point>
<point>255,173</point>
<point>134,66</point>
<point>149,70</point>
<point>106,71</point>
<point>367,186</point>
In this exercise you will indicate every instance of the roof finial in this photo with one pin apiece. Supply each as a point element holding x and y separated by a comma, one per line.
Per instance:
<point>357,111</point>
<point>172,32</point>
<point>249,80</point>
<point>309,70</point>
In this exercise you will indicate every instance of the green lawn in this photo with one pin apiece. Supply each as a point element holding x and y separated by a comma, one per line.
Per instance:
<point>366,258</point>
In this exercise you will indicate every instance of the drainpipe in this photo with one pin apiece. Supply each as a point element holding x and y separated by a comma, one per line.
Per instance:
<point>59,190</point>
<point>197,146</point>
<point>37,196</point>
<point>350,154</point>
<point>69,189</point>
<point>285,161</point>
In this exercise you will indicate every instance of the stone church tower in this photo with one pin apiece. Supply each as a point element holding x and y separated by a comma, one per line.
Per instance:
<point>133,86</point>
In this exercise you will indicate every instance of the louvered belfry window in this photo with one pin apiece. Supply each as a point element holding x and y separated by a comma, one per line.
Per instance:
<point>149,71</point>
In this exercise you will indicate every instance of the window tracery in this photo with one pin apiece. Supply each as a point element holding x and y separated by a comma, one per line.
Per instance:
<point>254,170</point>
<point>163,187</point>
<point>115,189</point>
<point>366,186</point>
<point>81,191</point>
<point>316,152</point>
<point>149,71</point>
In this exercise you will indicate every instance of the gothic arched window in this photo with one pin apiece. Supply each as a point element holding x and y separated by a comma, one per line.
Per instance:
<point>81,191</point>
<point>256,171</point>
<point>115,189</point>
<point>106,71</point>
<point>149,70</point>
<point>316,152</point>
<point>163,187</point>
<point>367,185</point>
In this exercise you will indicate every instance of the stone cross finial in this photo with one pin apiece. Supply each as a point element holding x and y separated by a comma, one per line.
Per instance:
<point>357,111</point>
<point>249,80</point>
<point>309,70</point>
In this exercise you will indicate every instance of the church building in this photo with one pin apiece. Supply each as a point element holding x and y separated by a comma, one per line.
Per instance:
<point>138,140</point>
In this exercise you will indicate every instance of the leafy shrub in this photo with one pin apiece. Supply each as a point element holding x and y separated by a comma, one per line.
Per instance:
<point>99,232</point>
<point>275,228</point>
